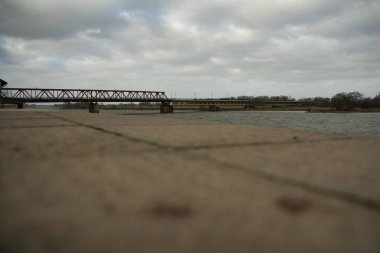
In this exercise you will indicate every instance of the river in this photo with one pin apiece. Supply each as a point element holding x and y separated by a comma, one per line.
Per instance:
<point>355,123</point>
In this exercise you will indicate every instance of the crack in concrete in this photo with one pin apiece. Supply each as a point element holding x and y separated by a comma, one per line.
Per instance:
<point>327,192</point>
<point>347,197</point>
<point>23,118</point>
<point>44,126</point>
<point>266,143</point>
<point>134,139</point>
<point>199,147</point>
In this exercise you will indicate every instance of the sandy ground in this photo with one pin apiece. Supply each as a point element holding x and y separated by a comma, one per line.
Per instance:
<point>71,181</point>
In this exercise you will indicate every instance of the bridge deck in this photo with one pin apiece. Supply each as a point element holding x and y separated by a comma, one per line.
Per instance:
<point>243,102</point>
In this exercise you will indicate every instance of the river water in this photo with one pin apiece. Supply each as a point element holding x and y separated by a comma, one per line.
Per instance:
<point>355,123</point>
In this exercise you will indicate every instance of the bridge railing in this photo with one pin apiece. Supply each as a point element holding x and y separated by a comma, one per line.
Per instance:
<point>24,95</point>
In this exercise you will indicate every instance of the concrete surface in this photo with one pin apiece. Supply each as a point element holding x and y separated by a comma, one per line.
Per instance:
<point>71,181</point>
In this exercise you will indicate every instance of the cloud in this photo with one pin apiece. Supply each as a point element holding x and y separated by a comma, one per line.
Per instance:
<point>292,47</point>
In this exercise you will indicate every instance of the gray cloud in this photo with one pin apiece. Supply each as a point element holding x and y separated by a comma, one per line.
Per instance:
<point>297,47</point>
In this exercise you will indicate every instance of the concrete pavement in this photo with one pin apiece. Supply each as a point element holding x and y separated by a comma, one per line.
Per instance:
<point>71,181</point>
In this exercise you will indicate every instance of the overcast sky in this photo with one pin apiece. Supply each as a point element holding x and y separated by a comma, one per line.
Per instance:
<point>193,48</point>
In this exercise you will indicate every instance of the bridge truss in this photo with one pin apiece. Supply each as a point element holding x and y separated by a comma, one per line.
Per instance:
<point>26,95</point>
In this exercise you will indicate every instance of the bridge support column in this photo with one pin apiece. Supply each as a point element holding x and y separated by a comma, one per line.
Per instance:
<point>166,107</point>
<point>213,108</point>
<point>20,105</point>
<point>249,107</point>
<point>93,108</point>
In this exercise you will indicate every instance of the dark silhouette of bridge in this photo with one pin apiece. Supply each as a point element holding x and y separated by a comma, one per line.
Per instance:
<point>20,96</point>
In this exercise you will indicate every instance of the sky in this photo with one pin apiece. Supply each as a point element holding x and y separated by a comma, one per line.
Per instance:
<point>204,48</point>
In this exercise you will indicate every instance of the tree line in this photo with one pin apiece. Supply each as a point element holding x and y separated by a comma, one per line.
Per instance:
<point>340,101</point>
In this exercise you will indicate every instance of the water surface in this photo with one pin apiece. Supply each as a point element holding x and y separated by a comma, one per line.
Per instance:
<point>355,123</point>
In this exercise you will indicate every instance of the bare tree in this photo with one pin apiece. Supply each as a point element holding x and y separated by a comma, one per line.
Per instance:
<point>347,101</point>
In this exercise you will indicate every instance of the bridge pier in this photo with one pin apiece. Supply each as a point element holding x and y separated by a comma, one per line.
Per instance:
<point>20,105</point>
<point>166,107</point>
<point>249,107</point>
<point>213,108</point>
<point>93,107</point>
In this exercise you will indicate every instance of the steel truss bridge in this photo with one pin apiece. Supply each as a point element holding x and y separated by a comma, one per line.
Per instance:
<point>20,96</point>
<point>26,95</point>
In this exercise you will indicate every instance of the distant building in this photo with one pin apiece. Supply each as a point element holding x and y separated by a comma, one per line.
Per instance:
<point>3,83</point>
